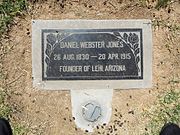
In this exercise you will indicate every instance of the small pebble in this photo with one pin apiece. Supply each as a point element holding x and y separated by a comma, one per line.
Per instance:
<point>131,112</point>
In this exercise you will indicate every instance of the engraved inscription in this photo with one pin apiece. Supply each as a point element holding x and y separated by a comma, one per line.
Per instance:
<point>92,54</point>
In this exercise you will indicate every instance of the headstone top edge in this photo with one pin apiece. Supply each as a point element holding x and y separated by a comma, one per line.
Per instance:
<point>93,20</point>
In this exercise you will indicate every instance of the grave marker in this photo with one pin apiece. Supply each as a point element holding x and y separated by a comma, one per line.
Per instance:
<point>91,58</point>
<point>95,54</point>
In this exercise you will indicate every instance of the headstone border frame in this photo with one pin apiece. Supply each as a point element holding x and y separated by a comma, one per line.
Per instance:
<point>38,25</point>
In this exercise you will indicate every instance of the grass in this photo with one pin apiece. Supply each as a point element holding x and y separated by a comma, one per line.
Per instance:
<point>19,130</point>
<point>166,110</point>
<point>6,111</point>
<point>159,3</point>
<point>173,27</point>
<point>8,10</point>
<point>162,4</point>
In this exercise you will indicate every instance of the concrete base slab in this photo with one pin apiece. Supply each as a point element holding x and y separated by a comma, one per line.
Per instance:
<point>88,104</point>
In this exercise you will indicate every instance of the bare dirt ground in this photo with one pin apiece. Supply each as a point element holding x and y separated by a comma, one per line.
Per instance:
<point>49,112</point>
